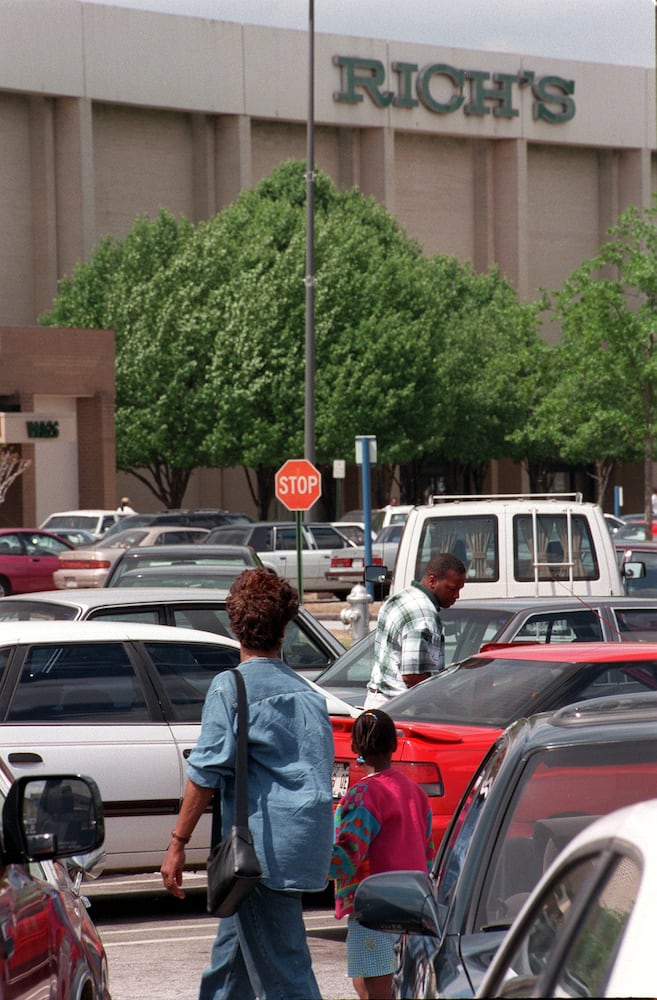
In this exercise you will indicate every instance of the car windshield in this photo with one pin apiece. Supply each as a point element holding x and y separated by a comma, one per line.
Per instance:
<point>124,539</point>
<point>176,576</point>
<point>231,563</point>
<point>88,521</point>
<point>560,791</point>
<point>495,691</point>
<point>353,668</point>
<point>555,793</point>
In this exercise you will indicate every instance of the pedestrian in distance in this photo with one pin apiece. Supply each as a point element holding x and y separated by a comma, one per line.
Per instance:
<point>383,823</point>
<point>262,950</point>
<point>409,643</point>
<point>125,507</point>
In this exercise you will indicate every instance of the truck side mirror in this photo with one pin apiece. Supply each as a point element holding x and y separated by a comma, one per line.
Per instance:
<point>633,570</point>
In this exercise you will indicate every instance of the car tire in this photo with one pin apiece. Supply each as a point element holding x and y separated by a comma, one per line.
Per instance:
<point>5,587</point>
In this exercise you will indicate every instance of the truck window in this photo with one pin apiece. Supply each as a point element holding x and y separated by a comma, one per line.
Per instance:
<point>548,552</point>
<point>473,538</point>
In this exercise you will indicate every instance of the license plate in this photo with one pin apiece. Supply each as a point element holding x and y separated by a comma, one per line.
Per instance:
<point>340,779</point>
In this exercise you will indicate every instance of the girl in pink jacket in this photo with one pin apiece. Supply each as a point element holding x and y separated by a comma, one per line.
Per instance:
<point>383,824</point>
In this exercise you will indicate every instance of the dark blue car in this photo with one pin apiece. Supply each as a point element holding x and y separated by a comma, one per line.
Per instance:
<point>544,780</point>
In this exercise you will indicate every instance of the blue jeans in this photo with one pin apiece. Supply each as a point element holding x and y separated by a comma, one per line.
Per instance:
<point>262,952</point>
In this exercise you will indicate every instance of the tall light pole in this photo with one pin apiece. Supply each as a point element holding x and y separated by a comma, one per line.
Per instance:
<point>309,408</point>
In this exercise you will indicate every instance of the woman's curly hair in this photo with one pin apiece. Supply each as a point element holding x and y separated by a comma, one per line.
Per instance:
<point>260,604</point>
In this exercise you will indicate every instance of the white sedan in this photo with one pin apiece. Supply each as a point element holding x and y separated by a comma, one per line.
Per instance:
<point>122,703</point>
<point>588,928</point>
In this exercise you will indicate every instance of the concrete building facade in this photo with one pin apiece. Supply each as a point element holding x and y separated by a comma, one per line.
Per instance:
<point>108,113</point>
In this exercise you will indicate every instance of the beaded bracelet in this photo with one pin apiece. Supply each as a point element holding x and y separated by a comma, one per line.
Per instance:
<point>182,840</point>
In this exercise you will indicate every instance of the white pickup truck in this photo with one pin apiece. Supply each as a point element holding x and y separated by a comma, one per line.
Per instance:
<point>512,545</point>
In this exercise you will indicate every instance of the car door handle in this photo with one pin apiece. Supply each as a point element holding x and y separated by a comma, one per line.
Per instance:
<point>25,758</point>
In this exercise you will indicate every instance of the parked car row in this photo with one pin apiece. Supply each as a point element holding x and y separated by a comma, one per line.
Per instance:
<point>276,544</point>
<point>308,646</point>
<point>471,626</point>
<point>113,691</point>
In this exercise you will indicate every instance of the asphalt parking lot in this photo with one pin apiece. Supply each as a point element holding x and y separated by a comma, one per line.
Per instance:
<point>157,946</point>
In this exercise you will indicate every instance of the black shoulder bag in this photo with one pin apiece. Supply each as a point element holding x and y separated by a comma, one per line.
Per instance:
<point>233,866</point>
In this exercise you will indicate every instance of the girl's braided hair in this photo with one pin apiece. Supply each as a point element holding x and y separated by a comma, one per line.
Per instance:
<point>373,733</point>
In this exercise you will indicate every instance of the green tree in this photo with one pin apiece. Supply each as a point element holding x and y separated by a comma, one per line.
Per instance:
<point>160,360</point>
<point>487,342</point>
<point>533,443</point>
<point>366,314</point>
<point>210,334</point>
<point>604,404</point>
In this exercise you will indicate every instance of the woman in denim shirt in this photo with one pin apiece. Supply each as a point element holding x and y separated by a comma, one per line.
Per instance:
<point>261,951</point>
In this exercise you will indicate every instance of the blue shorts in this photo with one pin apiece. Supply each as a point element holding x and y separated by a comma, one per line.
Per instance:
<point>369,953</point>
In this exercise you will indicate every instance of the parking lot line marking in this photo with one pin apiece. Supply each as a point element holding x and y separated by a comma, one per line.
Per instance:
<point>156,940</point>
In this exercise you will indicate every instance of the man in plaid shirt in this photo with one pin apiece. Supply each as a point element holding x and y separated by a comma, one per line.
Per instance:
<point>409,643</point>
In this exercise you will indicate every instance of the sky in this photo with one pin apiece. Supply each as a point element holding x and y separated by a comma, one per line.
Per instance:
<point>615,31</point>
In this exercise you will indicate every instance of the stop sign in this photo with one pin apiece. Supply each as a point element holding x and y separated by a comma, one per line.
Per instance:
<point>298,484</point>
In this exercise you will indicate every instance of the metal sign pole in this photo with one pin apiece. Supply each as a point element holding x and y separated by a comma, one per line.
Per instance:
<point>297,518</point>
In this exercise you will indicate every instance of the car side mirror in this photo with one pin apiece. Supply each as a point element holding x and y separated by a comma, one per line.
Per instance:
<point>52,817</point>
<point>401,902</point>
<point>633,570</point>
<point>377,574</point>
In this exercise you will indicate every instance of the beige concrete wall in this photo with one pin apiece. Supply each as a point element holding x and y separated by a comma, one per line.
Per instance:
<point>17,244</point>
<point>115,113</point>
<point>434,192</point>
<point>143,160</point>
<point>563,224</point>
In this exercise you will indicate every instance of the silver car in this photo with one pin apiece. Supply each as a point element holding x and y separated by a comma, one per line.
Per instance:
<point>90,566</point>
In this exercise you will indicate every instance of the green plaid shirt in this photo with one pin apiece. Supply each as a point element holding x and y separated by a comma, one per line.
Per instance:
<point>408,639</point>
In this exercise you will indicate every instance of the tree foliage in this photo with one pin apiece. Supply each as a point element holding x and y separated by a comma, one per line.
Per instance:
<point>603,404</point>
<point>427,355</point>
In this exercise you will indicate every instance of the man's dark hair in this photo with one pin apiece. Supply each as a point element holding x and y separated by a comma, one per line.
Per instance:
<point>442,563</point>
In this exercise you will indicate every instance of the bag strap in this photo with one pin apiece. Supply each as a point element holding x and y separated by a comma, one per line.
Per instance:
<point>241,772</point>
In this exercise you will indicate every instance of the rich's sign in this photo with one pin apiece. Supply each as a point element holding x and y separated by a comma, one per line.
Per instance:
<point>444,89</point>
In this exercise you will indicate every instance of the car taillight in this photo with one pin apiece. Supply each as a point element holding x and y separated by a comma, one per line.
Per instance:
<point>84,563</point>
<point>425,774</point>
<point>341,562</point>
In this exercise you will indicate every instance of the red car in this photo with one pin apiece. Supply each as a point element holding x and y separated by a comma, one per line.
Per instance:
<point>50,947</point>
<point>447,723</point>
<point>28,559</point>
